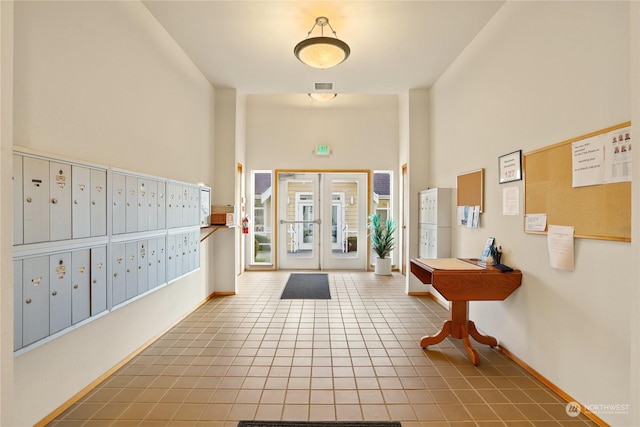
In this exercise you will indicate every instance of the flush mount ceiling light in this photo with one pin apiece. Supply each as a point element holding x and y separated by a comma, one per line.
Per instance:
<point>320,96</point>
<point>322,52</point>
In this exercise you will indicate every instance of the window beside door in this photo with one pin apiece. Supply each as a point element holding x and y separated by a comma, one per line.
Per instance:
<point>261,233</point>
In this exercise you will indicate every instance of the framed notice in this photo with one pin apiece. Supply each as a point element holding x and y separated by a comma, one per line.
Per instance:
<point>510,167</point>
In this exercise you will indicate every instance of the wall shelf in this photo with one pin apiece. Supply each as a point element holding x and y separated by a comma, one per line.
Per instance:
<point>207,231</point>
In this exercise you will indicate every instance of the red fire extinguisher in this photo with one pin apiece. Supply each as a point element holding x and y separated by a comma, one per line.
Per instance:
<point>245,225</point>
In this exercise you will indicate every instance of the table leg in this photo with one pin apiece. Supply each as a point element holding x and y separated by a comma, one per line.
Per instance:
<point>471,352</point>
<point>482,339</point>
<point>439,337</point>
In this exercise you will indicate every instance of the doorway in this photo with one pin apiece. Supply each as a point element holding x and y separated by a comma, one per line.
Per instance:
<point>322,220</point>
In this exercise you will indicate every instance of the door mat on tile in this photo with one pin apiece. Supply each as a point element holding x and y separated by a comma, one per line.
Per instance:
<point>319,424</point>
<point>307,286</point>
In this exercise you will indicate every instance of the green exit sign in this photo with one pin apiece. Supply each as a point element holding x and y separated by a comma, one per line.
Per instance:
<point>323,150</point>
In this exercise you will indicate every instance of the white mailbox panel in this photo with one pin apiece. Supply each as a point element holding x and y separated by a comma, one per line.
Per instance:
<point>152,263</point>
<point>143,204</point>
<point>118,211</point>
<point>80,289</point>
<point>131,269</point>
<point>162,261</point>
<point>98,280</point>
<point>131,204</point>
<point>35,200</point>
<point>162,205</point>
<point>81,195</point>
<point>118,274</point>
<point>98,203</point>
<point>171,257</point>
<point>17,200</point>
<point>17,304</point>
<point>35,299</point>
<point>152,202</point>
<point>60,201</point>
<point>143,267</point>
<point>60,292</point>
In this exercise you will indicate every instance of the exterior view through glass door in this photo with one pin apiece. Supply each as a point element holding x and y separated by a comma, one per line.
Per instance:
<point>321,220</point>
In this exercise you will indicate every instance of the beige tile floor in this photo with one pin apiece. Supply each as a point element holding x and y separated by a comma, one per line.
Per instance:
<point>354,357</point>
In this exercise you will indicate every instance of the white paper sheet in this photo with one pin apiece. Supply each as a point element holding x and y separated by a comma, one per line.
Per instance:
<point>588,161</point>
<point>511,200</point>
<point>535,222</point>
<point>617,154</point>
<point>561,247</point>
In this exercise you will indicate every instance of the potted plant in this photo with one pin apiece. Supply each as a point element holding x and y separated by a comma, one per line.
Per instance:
<point>382,242</point>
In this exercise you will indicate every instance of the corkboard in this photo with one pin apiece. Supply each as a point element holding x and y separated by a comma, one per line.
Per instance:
<point>597,212</point>
<point>471,189</point>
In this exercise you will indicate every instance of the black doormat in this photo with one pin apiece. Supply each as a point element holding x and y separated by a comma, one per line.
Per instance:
<point>319,424</point>
<point>307,286</point>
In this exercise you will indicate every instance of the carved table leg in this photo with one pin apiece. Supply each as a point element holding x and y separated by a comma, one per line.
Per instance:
<point>439,337</point>
<point>471,352</point>
<point>482,339</point>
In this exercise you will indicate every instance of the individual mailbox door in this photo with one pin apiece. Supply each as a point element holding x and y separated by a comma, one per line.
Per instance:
<point>194,210</point>
<point>35,200</point>
<point>80,288</point>
<point>143,267</point>
<point>152,202</point>
<point>81,207</point>
<point>179,256</point>
<point>185,206</point>
<point>162,205</point>
<point>195,235</point>
<point>152,263</point>
<point>171,257</point>
<point>98,202</point>
<point>143,204</point>
<point>131,204</point>
<point>118,274</point>
<point>17,201</point>
<point>131,269</point>
<point>118,211</point>
<point>162,260</point>
<point>35,299</point>
<point>60,201</point>
<point>172,200</point>
<point>98,279</point>
<point>191,254</point>
<point>60,296</point>
<point>17,304</point>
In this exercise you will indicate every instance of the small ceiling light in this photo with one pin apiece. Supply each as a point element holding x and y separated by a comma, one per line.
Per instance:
<point>319,96</point>
<point>322,52</point>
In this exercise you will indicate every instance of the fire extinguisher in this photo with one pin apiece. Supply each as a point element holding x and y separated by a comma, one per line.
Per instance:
<point>245,225</point>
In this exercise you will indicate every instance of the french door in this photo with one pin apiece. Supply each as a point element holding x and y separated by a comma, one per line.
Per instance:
<point>322,220</point>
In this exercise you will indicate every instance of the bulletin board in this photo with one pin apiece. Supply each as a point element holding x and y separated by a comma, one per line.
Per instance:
<point>471,189</point>
<point>597,212</point>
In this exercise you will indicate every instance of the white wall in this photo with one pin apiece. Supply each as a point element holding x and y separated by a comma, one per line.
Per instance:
<point>362,130</point>
<point>541,73</point>
<point>103,82</point>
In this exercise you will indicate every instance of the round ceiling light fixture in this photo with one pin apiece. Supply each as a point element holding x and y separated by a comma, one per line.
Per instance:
<point>322,96</point>
<point>322,52</point>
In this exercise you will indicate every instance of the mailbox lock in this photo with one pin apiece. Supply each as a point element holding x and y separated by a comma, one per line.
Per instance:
<point>93,202</point>
<point>115,274</point>
<point>28,199</point>
<point>75,286</point>
<point>28,301</point>
<point>54,200</point>
<point>54,293</point>
<point>95,281</point>
<point>75,202</point>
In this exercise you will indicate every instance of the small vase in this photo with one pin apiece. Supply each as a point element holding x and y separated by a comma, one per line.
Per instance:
<point>383,266</point>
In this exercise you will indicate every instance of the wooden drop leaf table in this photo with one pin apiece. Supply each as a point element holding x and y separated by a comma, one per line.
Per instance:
<point>461,280</point>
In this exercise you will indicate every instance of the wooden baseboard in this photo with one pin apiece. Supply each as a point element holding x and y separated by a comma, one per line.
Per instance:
<point>593,417</point>
<point>79,395</point>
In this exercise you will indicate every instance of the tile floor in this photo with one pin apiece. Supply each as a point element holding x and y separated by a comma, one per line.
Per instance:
<point>354,357</point>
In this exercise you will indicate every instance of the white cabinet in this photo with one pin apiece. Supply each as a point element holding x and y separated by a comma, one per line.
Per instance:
<point>434,226</point>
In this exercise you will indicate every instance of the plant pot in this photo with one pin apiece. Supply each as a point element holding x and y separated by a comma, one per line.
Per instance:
<point>383,266</point>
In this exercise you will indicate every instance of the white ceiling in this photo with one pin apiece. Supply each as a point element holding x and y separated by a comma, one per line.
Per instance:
<point>395,45</point>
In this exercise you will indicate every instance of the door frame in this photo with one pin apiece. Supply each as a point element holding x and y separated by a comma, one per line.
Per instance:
<point>276,214</point>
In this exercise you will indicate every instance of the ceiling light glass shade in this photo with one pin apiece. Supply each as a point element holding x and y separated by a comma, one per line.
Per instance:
<point>322,52</point>
<point>322,96</point>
